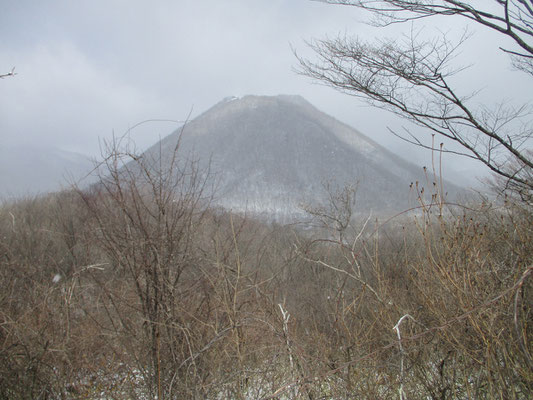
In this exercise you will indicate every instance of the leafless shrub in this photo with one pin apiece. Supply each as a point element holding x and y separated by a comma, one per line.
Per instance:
<point>463,289</point>
<point>136,289</point>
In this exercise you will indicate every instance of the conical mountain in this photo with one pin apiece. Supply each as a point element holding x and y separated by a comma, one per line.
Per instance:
<point>272,154</point>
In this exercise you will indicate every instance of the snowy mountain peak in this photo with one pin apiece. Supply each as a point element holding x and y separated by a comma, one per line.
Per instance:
<point>273,153</point>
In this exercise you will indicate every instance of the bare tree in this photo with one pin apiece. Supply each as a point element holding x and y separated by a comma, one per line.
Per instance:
<point>411,77</point>
<point>147,211</point>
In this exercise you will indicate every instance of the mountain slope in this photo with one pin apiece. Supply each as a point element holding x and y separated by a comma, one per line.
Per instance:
<point>27,170</point>
<point>271,154</point>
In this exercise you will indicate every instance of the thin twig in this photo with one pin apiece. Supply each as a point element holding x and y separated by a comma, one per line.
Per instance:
<point>11,73</point>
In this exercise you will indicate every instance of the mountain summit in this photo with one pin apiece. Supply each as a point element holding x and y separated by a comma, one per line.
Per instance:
<point>272,154</point>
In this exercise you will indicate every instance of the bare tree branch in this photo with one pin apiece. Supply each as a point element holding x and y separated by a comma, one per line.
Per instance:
<point>11,73</point>
<point>411,77</point>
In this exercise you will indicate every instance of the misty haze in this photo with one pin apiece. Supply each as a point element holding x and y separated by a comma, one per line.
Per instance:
<point>266,200</point>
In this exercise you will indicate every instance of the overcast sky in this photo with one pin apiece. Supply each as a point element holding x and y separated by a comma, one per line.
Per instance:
<point>86,69</point>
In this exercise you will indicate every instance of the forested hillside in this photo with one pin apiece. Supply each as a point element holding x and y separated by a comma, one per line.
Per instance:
<point>137,288</point>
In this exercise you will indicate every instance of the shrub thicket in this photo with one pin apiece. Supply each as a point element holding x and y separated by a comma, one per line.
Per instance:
<point>136,288</point>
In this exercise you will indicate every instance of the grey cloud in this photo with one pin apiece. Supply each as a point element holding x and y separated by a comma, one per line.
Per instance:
<point>87,69</point>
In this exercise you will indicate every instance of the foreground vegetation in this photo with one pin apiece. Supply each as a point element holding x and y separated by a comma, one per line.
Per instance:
<point>137,289</point>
